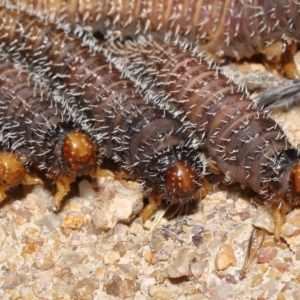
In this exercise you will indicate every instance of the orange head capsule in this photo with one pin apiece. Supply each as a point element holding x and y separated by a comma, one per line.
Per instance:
<point>294,197</point>
<point>182,182</point>
<point>79,153</point>
<point>12,170</point>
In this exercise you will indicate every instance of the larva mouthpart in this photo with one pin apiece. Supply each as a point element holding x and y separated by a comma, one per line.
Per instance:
<point>232,28</point>
<point>47,134</point>
<point>246,144</point>
<point>148,140</point>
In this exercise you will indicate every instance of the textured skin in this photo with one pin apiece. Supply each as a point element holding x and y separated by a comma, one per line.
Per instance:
<point>148,140</point>
<point>36,122</point>
<point>234,28</point>
<point>246,144</point>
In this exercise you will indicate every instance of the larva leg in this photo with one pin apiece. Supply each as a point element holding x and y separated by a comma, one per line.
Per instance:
<point>63,183</point>
<point>155,199</point>
<point>205,189</point>
<point>152,207</point>
<point>279,218</point>
<point>31,180</point>
<point>63,187</point>
<point>79,156</point>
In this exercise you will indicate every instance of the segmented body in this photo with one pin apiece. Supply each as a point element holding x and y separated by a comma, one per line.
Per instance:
<point>147,139</point>
<point>41,128</point>
<point>246,144</point>
<point>234,28</point>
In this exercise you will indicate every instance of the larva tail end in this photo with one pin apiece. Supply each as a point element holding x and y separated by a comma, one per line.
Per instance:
<point>182,183</point>
<point>79,153</point>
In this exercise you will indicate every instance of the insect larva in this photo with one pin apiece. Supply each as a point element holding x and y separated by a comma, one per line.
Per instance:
<point>148,140</point>
<point>246,144</point>
<point>231,28</point>
<point>45,132</point>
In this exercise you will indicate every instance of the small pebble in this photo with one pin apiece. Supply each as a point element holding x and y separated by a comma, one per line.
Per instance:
<point>225,258</point>
<point>83,289</point>
<point>262,219</point>
<point>291,230</point>
<point>86,190</point>
<point>280,265</point>
<point>44,260</point>
<point>164,292</point>
<point>264,255</point>
<point>230,279</point>
<point>224,291</point>
<point>181,266</point>
<point>73,220</point>
<point>198,268</point>
<point>156,242</point>
<point>118,201</point>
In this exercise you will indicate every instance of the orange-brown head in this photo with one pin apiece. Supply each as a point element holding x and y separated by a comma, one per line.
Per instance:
<point>294,188</point>
<point>12,170</point>
<point>79,153</point>
<point>182,183</point>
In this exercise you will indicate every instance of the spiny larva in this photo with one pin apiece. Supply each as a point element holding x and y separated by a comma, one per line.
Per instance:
<point>148,140</point>
<point>244,143</point>
<point>231,28</point>
<point>43,131</point>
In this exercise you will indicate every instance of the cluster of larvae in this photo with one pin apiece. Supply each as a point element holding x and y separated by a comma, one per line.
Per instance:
<point>223,29</point>
<point>114,120</point>
<point>243,143</point>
